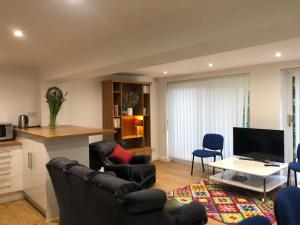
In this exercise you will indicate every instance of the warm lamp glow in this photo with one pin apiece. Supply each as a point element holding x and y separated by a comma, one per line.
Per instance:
<point>138,121</point>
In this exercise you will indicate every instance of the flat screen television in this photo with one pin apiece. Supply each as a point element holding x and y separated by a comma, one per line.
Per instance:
<point>259,144</point>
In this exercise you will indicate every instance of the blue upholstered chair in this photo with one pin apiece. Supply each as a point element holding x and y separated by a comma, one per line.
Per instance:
<point>295,166</point>
<point>255,220</point>
<point>212,146</point>
<point>287,205</point>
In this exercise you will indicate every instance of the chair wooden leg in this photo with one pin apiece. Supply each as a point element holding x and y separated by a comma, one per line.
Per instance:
<point>214,167</point>
<point>296,183</point>
<point>202,164</point>
<point>288,177</point>
<point>192,170</point>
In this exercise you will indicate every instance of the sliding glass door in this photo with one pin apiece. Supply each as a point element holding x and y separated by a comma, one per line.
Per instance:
<point>197,107</point>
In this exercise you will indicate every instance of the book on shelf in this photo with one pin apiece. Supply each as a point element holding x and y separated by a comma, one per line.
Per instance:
<point>117,122</point>
<point>116,110</point>
<point>146,89</point>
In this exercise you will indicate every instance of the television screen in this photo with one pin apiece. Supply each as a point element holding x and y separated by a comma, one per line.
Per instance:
<point>259,144</point>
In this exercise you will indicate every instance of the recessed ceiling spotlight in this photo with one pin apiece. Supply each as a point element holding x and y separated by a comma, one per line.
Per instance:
<point>18,33</point>
<point>210,65</point>
<point>278,54</point>
<point>165,72</point>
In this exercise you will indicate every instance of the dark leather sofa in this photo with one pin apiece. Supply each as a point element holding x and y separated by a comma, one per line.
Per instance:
<point>139,170</point>
<point>89,197</point>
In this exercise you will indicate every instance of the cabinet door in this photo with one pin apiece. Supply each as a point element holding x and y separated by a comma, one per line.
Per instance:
<point>34,178</point>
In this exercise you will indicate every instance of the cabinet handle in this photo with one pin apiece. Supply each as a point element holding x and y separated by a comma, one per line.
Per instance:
<point>3,174</point>
<point>8,162</point>
<point>29,160</point>
<point>2,166</point>
<point>32,161</point>
<point>5,186</point>
<point>4,155</point>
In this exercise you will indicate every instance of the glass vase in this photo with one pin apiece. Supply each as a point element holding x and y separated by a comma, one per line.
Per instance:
<point>52,123</point>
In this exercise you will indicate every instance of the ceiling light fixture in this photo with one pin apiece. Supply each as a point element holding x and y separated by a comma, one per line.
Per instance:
<point>278,54</point>
<point>210,65</point>
<point>18,33</point>
<point>165,72</point>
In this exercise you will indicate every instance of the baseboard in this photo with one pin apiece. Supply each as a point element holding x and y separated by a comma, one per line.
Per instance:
<point>161,158</point>
<point>34,204</point>
<point>9,197</point>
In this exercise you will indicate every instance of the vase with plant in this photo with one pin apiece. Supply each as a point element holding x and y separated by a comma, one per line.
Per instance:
<point>55,99</point>
<point>130,100</point>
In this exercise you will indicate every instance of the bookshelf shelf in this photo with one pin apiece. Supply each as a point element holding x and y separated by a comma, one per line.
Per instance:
<point>134,130</point>
<point>131,137</point>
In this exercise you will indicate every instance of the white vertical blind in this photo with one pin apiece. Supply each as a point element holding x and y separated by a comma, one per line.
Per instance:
<point>198,107</point>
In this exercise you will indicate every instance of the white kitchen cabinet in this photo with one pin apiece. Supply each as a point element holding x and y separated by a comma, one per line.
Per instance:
<point>34,173</point>
<point>10,172</point>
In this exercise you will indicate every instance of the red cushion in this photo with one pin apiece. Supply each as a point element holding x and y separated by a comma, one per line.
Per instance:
<point>120,155</point>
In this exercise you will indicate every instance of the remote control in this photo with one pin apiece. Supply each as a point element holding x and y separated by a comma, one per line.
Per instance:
<point>276,165</point>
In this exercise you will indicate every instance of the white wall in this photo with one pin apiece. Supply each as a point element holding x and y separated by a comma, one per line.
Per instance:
<point>266,91</point>
<point>83,106</point>
<point>19,92</point>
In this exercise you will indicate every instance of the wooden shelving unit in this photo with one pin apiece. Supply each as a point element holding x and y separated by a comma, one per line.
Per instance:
<point>137,138</point>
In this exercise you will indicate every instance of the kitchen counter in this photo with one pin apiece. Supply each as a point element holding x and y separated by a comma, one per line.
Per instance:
<point>61,132</point>
<point>9,143</point>
<point>39,145</point>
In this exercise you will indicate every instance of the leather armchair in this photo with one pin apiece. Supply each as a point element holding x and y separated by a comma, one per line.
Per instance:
<point>90,197</point>
<point>139,170</point>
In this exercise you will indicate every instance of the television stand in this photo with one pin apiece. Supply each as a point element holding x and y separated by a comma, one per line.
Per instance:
<point>259,178</point>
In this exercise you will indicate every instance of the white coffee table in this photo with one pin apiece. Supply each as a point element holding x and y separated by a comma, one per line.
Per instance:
<point>259,177</point>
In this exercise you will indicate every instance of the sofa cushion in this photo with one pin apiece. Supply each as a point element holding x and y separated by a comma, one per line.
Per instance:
<point>115,185</point>
<point>62,163</point>
<point>144,201</point>
<point>186,214</point>
<point>120,155</point>
<point>172,206</point>
<point>83,172</point>
<point>141,172</point>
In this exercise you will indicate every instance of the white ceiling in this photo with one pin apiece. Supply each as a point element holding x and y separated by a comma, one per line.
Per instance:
<point>261,54</point>
<point>86,38</point>
<point>55,27</point>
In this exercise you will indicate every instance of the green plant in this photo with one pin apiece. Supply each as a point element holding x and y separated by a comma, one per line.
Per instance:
<point>130,99</point>
<point>55,99</point>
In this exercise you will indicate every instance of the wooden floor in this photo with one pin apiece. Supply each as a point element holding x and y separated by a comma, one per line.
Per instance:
<point>170,175</point>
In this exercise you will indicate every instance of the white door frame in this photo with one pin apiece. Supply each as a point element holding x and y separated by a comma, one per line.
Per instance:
<point>288,110</point>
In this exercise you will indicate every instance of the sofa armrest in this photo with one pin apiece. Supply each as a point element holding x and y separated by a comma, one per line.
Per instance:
<point>98,152</point>
<point>144,201</point>
<point>140,159</point>
<point>190,214</point>
<point>121,170</point>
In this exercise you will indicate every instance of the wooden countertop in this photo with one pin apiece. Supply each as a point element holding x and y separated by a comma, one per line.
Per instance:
<point>60,132</point>
<point>9,143</point>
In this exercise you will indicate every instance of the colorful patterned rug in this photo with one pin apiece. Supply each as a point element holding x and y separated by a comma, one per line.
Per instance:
<point>224,203</point>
